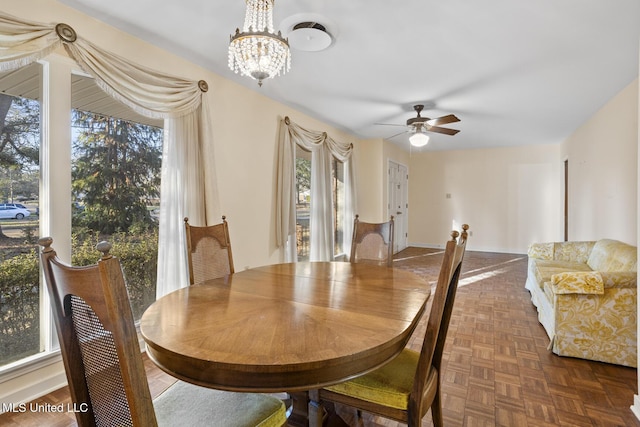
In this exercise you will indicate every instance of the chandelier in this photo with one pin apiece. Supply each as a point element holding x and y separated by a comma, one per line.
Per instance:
<point>257,51</point>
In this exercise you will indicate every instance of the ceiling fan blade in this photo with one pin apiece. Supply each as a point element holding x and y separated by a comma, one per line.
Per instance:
<point>450,118</point>
<point>393,136</point>
<point>441,130</point>
<point>388,124</point>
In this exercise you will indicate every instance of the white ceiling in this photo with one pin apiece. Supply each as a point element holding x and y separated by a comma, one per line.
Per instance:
<point>514,72</point>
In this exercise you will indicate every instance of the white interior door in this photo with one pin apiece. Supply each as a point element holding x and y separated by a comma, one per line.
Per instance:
<point>399,203</point>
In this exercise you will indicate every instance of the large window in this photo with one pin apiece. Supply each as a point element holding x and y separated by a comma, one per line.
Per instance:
<point>339,202</point>
<point>20,292</point>
<point>303,200</point>
<point>94,176</point>
<point>115,169</point>
<point>303,203</point>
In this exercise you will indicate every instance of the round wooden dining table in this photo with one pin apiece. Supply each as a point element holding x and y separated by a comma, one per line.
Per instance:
<point>285,327</point>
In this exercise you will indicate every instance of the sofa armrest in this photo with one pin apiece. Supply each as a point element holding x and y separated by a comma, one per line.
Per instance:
<point>541,250</point>
<point>577,282</point>
<point>598,327</point>
<point>619,279</point>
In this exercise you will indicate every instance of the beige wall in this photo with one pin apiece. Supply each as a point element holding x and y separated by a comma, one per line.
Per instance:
<point>603,165</point>
<point>502,202</point>
<point>514,196</point>
<point>369,179</point>
<point>372,157</point>
<point>245,125</point>
<point>510,197</point>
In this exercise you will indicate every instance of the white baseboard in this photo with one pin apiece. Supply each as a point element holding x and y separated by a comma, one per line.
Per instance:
<point>424,245</point>
<point>33,379</point>
<point>32,384</point>
<point>635,408</point>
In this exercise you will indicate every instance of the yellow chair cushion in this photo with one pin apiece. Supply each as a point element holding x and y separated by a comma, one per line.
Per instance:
<point>389,385</point>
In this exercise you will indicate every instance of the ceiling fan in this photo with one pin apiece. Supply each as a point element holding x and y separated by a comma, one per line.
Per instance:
<point>419,125</point>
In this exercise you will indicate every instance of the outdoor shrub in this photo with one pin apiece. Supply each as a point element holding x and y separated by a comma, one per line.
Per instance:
<point>138,255</point>
<point>20,291</point>
<point>19,307</point>
<point>29,234</point>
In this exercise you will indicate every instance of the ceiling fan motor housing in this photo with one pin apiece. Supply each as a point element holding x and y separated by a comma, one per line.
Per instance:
<point>418,121</point>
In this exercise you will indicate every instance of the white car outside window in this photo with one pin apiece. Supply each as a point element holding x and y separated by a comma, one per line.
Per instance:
<point>12,212</point>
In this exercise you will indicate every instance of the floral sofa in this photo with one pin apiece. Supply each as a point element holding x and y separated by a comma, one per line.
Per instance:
<point>585,293</point>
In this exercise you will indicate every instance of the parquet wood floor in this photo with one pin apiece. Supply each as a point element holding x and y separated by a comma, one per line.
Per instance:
<point>497,369</point>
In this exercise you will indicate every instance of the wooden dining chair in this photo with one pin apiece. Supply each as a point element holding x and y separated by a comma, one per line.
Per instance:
<point>103,362</point>
<point>405,388</point>
<point>372,242</point>
<point>210,257</point>
<point>209,251</point>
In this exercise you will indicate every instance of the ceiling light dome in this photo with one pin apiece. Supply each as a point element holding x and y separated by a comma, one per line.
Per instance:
<point>258,52</point>
<point>419,139</point>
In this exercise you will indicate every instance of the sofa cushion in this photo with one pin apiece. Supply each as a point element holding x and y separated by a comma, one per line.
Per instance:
<point>612,255</point>
<point>573,251</point>
<point>578,282</point>
<point>545,268</point>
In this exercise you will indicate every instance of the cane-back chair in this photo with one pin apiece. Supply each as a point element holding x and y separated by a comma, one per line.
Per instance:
<point>209,251</point>
<point>406,387</point>
<point>372,242</point>
<point>103,361</point>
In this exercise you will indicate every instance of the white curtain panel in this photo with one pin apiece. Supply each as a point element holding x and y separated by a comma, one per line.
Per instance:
<point>181,103</point>
<point>322,149</point>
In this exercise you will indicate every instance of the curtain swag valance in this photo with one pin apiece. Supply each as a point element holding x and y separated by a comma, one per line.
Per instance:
<point>178,101</point>
<point>146,91</point>
<point>323,148</point>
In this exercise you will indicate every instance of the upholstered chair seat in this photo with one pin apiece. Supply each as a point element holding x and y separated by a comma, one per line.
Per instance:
<point>389,385</point>
<point>190,405</point>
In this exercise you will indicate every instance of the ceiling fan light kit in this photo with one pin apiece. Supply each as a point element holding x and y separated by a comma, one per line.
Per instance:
<point>258,52</point>
<point>419,139</point>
